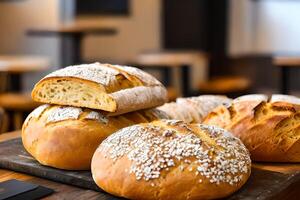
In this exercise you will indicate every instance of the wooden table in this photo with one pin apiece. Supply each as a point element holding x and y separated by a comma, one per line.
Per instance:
<point>167,60</point>
<point>286,63</point>
<point>16,65</point>
<point>63,191</point>
<point>71,38</point>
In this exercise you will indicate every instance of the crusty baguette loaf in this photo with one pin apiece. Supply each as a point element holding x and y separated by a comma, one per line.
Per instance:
<point>170,160</point>
<point>112,88</point>
<point>193,109</point>
<point>270,129</point>
<point>66,137</point>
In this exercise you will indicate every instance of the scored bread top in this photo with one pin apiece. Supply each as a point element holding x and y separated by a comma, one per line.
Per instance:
<point>103,74</point>
<point>194,109</point>
<point>273,98</point>
<point>285,98</point>
<point>56,113</point>
<point>251,97</point>
<point>269,127</point>
<point>113,88</point>
<point>154,148</point>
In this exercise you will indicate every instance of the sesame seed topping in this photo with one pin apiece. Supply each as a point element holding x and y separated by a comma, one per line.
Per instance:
<point>152,151</point>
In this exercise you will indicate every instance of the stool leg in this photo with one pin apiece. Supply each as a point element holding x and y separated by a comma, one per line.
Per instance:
<point>16,82</point>
<point>4,124</point>
<point>185,73</point>
<point>166,73</point>
<point>18,120</point>
<point>284,80</point>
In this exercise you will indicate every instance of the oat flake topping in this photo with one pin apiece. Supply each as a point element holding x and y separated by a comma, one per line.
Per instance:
<point>152,149</point>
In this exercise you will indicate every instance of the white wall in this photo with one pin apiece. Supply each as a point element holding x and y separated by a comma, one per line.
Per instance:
<point>264,27</point>
<point>137,32</point>
<point>277,26</point>
<point>16,17</point>
<point>241,22</point>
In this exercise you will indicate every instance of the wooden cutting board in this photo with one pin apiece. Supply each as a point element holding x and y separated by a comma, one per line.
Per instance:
<point>267,181</point>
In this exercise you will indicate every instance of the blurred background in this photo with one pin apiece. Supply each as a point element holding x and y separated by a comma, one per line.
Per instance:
<point>194,47</point>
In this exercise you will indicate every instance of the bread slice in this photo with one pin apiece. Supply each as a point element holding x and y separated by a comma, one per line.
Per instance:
<point>112,88</point>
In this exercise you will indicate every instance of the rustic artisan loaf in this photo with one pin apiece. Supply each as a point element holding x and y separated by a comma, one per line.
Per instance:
<point>270,129</point>
<point>194,109</point>
<point>112,88</point>
<point>170,159</point>
<point>66,137</point>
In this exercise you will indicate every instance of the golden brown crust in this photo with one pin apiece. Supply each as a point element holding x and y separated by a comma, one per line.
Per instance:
<point>66,137</point>
<point>170,159</point>
<point>269,129</point>
<point>112,88</point>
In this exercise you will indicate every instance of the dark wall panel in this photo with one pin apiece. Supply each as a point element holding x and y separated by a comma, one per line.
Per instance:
<point>102,7</point>
<point>200,25</point>
<point>184,24</point>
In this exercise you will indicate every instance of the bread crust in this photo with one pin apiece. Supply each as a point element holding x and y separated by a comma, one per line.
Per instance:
<point>269,129</point>
<point>66,137</point>
<point>194,109</point>
<point>112,88</point>
<point>124,167</point>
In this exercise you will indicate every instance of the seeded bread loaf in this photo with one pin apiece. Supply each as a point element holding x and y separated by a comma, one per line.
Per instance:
<point>112,88</point>
<point>193,109</point>
<point>169,160</point>
<point>66,137</point>
<point>270,128</point>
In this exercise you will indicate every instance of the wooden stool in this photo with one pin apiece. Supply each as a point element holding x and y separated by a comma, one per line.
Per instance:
<point>229,85</point>
<point>17,105</point>
<point>12,67</point>
<point>286,64</point>
<point>3,120</point>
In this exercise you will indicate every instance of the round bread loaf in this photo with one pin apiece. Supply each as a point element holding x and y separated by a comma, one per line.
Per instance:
<point>170,159</point>
<point>270,128</point>
<point>194,109</point>
<point>66,137</point>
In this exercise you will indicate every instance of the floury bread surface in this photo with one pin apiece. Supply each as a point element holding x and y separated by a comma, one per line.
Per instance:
<point>66,137</point>
<point>170,160</point>
<point>194,109</point>
<point>113,88</point>
<point>269,127</point>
